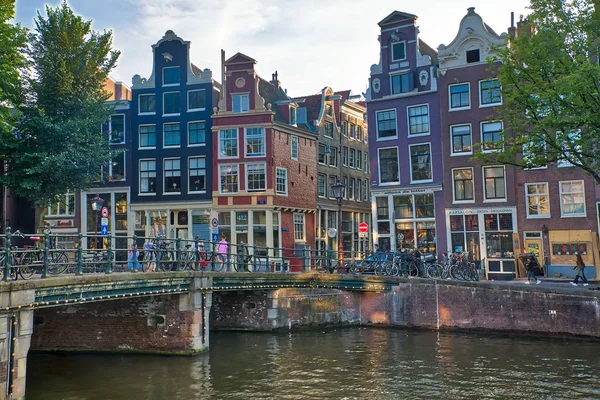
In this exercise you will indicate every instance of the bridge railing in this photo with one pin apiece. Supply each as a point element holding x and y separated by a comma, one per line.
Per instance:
<point>27,256</point>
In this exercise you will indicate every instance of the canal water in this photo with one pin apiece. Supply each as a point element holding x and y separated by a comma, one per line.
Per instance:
<point>350,363</point>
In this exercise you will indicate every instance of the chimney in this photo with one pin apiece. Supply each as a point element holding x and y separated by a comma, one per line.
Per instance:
<point>223,89</point>
<point>275,79</point>
<point>512,30</point>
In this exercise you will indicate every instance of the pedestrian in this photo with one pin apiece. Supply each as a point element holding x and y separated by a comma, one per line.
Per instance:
<point>150,255</point>
<point>530,264</point>
<point>222,248</point>
<point>579,267</point>
<point>132,258</point>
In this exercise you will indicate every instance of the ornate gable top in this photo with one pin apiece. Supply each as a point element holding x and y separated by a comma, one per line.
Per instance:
<point>240,58</point>
<point>168,37</point>
<point>396,17</point>
<point>472,25</point>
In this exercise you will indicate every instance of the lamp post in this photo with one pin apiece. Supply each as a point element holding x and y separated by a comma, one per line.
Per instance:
<point>96,202</point>
<point>339,190</point>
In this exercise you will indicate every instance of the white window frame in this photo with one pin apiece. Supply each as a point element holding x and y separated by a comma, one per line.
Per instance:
<point>412,135</point>
<point>379,166</point>
<point>560,163</point>
<point>528,196</point>
<point>247,168</point>
<point>69,205</point>
<point>242,96</point>
<point>165,176</point>
<point>110,168</point>
<point>281,173</point>
<point>237,139</point>
<point>189,175</point>
<point>481,105</point>
<point>454,200</point>
<point>398,73</point>
<point>264,142</point>
<point>403,42</point>
<point>299,227</point>
<point>188,100</point>
<point>139,104</point>
<point>524,152</point>
<point>171,146</point>
<point>462,153</point>
<point>481,124</point>
<point>294,147</point>
<point>163,104</point>
<point>377,125</point>
<point>110,130</point>
<point>493,200</point>
<point>450,108</point>
<point>560,189</point>
<point>325,181</point>
<point>293,116</point>
<point>237,173</point>
<point>140,193</point>
<point>188,134</point>
<point>410,163</point>
<point>163,76</point>
<point>139,137</point>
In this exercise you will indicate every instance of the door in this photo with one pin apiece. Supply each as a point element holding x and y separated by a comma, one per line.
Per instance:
<point>534,246</point>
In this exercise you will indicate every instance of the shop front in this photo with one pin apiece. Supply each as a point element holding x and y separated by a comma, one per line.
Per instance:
<point>564,245</point>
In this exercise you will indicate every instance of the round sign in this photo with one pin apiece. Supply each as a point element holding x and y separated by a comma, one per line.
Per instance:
<point>363,227</point>
<point>104,212</point>
<point>214,223</point>
<point>331,232</point>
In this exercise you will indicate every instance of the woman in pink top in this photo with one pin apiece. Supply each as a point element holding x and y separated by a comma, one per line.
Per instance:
<point>222,249</point>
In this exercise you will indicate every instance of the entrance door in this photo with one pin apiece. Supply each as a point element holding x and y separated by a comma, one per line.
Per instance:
<point>534,246</point>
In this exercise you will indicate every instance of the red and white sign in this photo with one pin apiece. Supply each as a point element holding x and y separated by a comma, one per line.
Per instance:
<point>363,227</point>
<point>59,223</point>
<point>104,212</point>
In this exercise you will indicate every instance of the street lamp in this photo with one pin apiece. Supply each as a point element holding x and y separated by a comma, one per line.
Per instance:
<point>96,202</point>
<point>339,190</point>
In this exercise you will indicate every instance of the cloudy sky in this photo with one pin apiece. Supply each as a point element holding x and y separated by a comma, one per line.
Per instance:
<point>311,43</point>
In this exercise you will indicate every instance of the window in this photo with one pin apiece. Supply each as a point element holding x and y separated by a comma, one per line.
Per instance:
<point>571,148</point>
<point>359,133</point>
<point>147,176</point>
<point>299,228</point>
<point>117,168</point>
<point>332,181</point>
<point>147,104</point>
<point>388,165</point>
<point>172,135</point>
<point>171,103</point>
<point>345,128</point>
<point>196,133</point>
<point>386,124</point>
<point>366,190</point>
<point>333,156</point>
<point>461,139</point>
<point>63,204</point>
<point>196,100</point>
<point>329,129</point>
<point>321,185</point>
<point>398,51</point>
<point>463,184</point>
<point>240,103</point>
<point>293,116</point>
<point>328,110</point>
<point>420,162</point>
<point>228,143</point>
<point>147,136</point>
<point>358,163</point>
<point>473,56</point>
<point>294,147</point>
<point>366,162</point>
<point>491,135</point>
<point>572,199</point>
<point>322,156</point>
<point>345,156</point>
<point>418,120</point>
<point>351,188</point>
<point>357,190</point>
<point>494,181</point>
<point>117,129</point>
<point>172,175</point>
<point>256,177</point>
<point>353,131</point>
<point>228,178</point>
<point>489,92</point>
<point>424,207</point>
<point>352,158</point>
<point>537,200</point>
<point>534,154</point>
<point>401,83</point>
<point>171,76</point>
<point>345,187</point>
<point>255,142</point>
<point>281,183</point>
<point>459,96</point>
<point>197,174</point>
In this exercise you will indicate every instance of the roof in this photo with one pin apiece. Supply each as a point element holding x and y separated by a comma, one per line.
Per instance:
<point>395,17</point>
<point>427,50</point>
<point>313,107</point>
<point>344,94</point>
<point>272,94</point>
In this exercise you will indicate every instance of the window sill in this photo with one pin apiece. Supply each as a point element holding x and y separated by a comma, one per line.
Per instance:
<point>490,105</point>
<point>172,115</point>
<point>147,148</point>
<point>459,109</point>
<point>421,181</point>
<point>463,201</point>
<point>197,145</point>
<point>196,109</point>
<point>501,200</point>
<point>415,135</point>
<point>171,84</point>
<point>172,147</point>
<point>574,216</point>
<point>386,138</point>
<point>147,113</point>
<point>461,154</point>
<point>171,193</point>
<point>228,193</point>
<point>538,216</point>
<point>147,194</point>
<point>197,192</point>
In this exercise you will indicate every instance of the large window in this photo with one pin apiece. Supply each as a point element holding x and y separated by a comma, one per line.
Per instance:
<point>147,176</point>
<point>228,178</point>
<point>294,147</point>
<point>299,228</point>
<point>538,200</point>
<point>228,143</point>
<point>333,156</point>
<point>147,136</point>
<point>240,103</point>
<point>388,165</point>
<point>461,139</point>
<point>63,204</point>
<point>401,83</point>
<point>196,100</point>
<point>358,162</point>
<point>322,156</point>
<point>351,188</point>
<point>491,135</point>
<point>459,96</point>
<point>117,129</point>
<point>332,181</point>
<point>117,167</point>
<point>489,92</point>
<point>418,120</point>
<point>197,174</point>
<point>256,177</point>
<point>172,175</point>
<point>495,185</point>
<point>282,181</point>
<point>465,235</point>
<point>386,124</point>
<point>572,199</point>
<point>196,133</point>
<point>463,184</point>
<point>172,135</point>
<point>321,185</point>
<point>420,162</point>
<point>398,51</point>
<point>171,76</point>
<point>255,142</point>
<point>147,104</point>
<point>569,142</point>
<point>171,103</point>
<point>352,158</point>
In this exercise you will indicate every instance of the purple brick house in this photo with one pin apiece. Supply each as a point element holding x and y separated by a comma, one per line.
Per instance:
<point>405,143</point>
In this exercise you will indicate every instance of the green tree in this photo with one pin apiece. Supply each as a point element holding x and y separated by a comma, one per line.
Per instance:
<point>58,144</point>
<point>550,81</point>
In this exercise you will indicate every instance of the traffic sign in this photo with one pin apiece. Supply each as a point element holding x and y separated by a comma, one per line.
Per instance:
<point>363,227</point>
<point>104,230</point>
<point>104,221</point>
<point>104,212</point>
<point>215,237</point>
<point>214,223</point>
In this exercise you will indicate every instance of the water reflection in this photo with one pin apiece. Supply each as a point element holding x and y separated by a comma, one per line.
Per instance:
<point>338,364</point>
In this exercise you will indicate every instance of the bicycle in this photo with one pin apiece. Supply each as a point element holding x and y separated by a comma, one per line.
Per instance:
<point>32,262</point>
<point>16,256</point>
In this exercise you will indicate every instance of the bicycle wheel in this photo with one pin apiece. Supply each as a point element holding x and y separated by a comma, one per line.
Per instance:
<point>217,262</point>
<point>413,270</point>
<point>59,264</point>
<point>380,269</point>
<point>391,269</point>
<point>434,271</point>
<point>456,272</point>
<point>28,265</point>
<point>474,271</point>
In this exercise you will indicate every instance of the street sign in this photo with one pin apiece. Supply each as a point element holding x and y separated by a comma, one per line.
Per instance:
<point>104,230</point>
<point>363,227</point>
<point>215,237</point>
<point>214,223</point>
<point>104,221</point>
<point>104,212</point>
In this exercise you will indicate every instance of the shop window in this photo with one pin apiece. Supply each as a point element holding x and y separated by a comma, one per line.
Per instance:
<point>426,242</point>
<point>464,235</point>
<point>403,207</point>
<point>62,205</point>
<point>405,235</point>
<point>225,225</point>
<point>424,207</point>
<point>259,229</point>
<point>241,228</point>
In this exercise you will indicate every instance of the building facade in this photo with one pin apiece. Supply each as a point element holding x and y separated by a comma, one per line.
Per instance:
<point>404,140</point>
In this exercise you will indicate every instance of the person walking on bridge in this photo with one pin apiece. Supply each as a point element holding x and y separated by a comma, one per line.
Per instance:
<point>579,267</point>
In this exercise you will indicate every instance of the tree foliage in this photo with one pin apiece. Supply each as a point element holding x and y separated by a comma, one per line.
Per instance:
<point>550,81</point>
<point>58,143</point>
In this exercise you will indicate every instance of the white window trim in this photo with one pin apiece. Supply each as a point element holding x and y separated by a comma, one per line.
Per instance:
<point>164,178</point>
<point>139,103</point>
<point>454,201</point>
<point>237,166</point>
<point>124,129</point>
<point>247,94</point>
<point>219,149</point>
<point>188,175</point>
<point>163,136</point>
<point>499,200</point>
<point>481,134</point>
<point>295,112</point>
<point>410,162</point>
<point>140,193</point>
<point>450,108</point>
<point>560,193</point>
<point>110,174</point>
<point>188,101</point>
<point>325,183</point>
<point>465,153</point>
<point>71,207</point>
<point>479,94</point>
<point>395,137</point>
<point>284,193</point>
<point>187,134</point>
<point>392,51</point>
<point>292,147</point>
<point>303,240</point>
<point>246,173</point>
<point>326,160</point>
<point>392,74</point>
<point>379,166</point>
<point>527,200</point>
<point>140,142</point>
<point>264,140</point>
<point>408,121</point>
<point>163,76</point>
<point>163,104</point>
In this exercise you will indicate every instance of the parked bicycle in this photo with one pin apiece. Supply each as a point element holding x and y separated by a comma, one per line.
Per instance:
<point>32,261</point>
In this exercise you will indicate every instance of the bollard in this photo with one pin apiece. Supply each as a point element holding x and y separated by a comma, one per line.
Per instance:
<point>7,250</point>
<point>79,256</point>
<point>109,266</point>
<point>46,253</point>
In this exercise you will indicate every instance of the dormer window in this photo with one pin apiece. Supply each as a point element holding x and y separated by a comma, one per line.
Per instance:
<point>292,115</point>
<point>473,56</point>
<point>398,51</point>
<point>240,103</point>
<point>171,76</point>
<point>328,110</point>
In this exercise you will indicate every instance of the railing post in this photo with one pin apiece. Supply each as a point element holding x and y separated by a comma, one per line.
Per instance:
<point>229,267</point>
<point>109,266</point>
<point>177,254</point>
<point>305,259</point>
<point>213,254</point>
<point>283,259</point>
<point>158,266</point>
<point>46,254</point>
<point>135,261</point>
<point>268,267</point>
<point>7,251</point>
<point>196,254</point>
<point>80,255</point>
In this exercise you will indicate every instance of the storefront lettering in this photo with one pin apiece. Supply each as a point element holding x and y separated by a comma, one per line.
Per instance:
<point>59,223</point>
<point>468,211</point>
<point>410,191</point>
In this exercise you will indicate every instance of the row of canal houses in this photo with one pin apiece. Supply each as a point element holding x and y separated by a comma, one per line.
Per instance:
<point>240,157</point>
